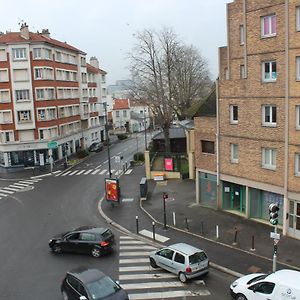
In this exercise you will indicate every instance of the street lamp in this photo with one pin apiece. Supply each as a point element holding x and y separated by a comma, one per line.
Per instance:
<point>107,138</point>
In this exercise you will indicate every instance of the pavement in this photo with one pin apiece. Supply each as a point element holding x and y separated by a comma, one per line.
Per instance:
<point>242,246</point>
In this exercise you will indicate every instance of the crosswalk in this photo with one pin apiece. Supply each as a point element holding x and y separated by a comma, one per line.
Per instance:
<point>20,186</point>
<point>93,171</point>
<point>141,281</point>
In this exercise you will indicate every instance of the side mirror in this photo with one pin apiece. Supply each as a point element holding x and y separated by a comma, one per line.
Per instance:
<point>83,298</point>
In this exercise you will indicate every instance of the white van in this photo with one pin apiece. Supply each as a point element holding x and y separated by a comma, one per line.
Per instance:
<point>280,285</point>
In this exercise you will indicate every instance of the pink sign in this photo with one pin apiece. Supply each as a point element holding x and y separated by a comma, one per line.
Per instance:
<point>169,164</point>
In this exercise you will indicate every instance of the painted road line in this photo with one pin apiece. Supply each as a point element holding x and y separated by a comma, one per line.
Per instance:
<point>135,253</point>
<point>147,276</point>
<point>21,184</point>
<point>28,182</point>
<point>133,260</point>
<point>173,294</point>
<point>3,195</point>
<point>65,173</point>
<point>139,247</point>
<point>16,186</point>
<point>98,167</point>
<point>102,172</point>
<point>158,237</point>
<point>128,171</point>
<point>88,172</point>
<point>135,268</point>
<point>95,172</point>
<point>125,237</point>
<point>10,189</point>
<point>123,242</point>
<point>72,173</point>
<point>118,172</point>
<point>80,172</point>
<point>127,200</point>
<point>152,285</point>
<point>6,192</point>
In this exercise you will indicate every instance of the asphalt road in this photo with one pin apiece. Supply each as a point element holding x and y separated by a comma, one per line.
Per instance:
<point>29,271</point>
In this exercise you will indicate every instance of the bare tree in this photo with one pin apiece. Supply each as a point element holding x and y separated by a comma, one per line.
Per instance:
<point>168,75</point>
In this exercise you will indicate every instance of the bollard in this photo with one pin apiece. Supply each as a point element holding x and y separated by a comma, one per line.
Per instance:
<point>235,236</point>
<point>153,230</point>
<point>217,232</point>
<point>252,244</point>
<point>202,227</point>
<point>187,224</point>
<point>174,219</point>
<point>137,224</point>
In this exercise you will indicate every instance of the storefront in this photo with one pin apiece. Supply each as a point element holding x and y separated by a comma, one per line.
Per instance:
<point>294,219</point>
<point>208,189</point>
<point>233,197</point>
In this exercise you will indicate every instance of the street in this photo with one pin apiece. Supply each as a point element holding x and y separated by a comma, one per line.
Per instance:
<point>58,203</point>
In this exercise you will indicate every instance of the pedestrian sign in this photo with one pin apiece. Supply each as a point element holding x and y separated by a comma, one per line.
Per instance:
<point>52,145</point>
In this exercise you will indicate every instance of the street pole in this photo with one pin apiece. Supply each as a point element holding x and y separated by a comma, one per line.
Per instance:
<point>275,252</point>
<point>165,196</point>
<point>107,138</point>
<point>145,125</point>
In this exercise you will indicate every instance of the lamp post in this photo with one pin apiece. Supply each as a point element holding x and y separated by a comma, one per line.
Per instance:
<point>107,138</point>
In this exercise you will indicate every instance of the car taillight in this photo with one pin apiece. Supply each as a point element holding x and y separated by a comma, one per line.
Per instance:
<point>188,270</point>
<point>103,244</point>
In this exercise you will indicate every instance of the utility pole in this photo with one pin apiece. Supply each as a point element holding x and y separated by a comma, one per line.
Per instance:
<point>145,127</point>
<point>107,138</point>
<point>273,213</point>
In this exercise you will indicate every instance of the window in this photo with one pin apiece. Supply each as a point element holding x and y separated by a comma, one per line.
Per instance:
<point>41,114</point>
<point>117,113</point>
<point>22,95</point>
<point>263,287</point>
<point>6,136</point>
<point>38,73</point>
<point>179,258</point>
<point>298,18</point>
<point>43,73</point>
<point>242,72</point>
<point>297,116</point>
<point>19,53</point>
<point>208,147</point>
<point>269,115</point>
<point>242,38</point>
<point>3,56</point>
<point>24,115</point>
<point>269,158</point>
<point>47,53</point>
<point>37,53</point>
<point>21,74</point>
<point>297,164</point>
<point>167,253</point>
<point>4,96</point>
<point>234,117</point>
<point>124,113</point>
<point>234,150</point>
<point>58,56</point>
<point>5,116</point>
<point>3,75</point>
<point>298,68</point>
<point>226,74</point>
<point>269,71</point>
<point>268,26</point>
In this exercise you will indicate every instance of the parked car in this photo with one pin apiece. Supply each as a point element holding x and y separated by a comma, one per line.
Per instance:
<point>96,147</point>
<point>87,239</point>
<point>181,259</point>
<point>283,284</point>
<point>90,284</point>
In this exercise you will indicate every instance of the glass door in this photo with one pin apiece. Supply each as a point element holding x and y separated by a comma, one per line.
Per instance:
<point>294,219</point>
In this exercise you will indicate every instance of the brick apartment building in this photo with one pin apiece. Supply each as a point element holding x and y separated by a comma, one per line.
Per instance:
<point>48,93</point>
<point>252,157</point>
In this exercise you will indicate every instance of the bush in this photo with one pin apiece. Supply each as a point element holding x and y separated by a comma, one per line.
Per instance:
<point>81,153</point>
<point>122,136</point>
<point>139,156</point>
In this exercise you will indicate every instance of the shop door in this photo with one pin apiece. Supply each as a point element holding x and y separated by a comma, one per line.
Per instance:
<point>237,202</point>
<point>294,224</point>
<point>28,157</point>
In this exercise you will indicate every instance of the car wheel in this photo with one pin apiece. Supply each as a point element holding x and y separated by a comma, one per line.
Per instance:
<point>182,277</point>
<point>64,295</point>
<point>153,263</point>
<point>240,297</point>
<point>96,252</point>
<point>56,249</point>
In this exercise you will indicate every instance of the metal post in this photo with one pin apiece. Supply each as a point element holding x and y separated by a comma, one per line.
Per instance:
<point>187,224</point>
<point>145,125</point>
<point>235,236</point>
<point>217,232</point>
<point>137,224</point>
<point>153,230</point>
<point>107,138</point>
<point>165,216</point>
<point>275,252</point>
<point>174,218</point>
<point>252,247</point>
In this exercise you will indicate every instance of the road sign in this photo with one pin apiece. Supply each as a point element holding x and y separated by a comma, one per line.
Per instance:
<point>275,236</point>
<point>52,145</point>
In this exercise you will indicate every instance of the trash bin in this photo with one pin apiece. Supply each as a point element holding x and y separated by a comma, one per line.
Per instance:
<point>143,187</point>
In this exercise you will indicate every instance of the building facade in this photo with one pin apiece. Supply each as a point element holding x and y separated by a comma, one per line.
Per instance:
<point>257,143</point>
<point>49,107</point>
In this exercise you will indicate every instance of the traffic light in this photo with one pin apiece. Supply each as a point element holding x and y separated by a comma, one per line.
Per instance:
<point>273,212</point>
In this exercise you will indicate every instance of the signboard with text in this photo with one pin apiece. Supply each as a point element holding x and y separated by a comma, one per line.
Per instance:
<point>169,164</point>
<point>112,190</point>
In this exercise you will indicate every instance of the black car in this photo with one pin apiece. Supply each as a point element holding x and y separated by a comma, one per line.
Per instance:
<point>87,239</point>
<point>90,284</point>
<point>96,147</point>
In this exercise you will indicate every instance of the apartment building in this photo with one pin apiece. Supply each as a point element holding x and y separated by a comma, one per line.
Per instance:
<point>253,159</point>
<point>50,99</point>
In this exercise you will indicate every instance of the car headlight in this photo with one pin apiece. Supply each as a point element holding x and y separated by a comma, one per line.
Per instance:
<point>234,284</point>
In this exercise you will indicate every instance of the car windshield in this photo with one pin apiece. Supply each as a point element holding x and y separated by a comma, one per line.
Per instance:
<point>102,288</point>
<point>260,277</point>
<point>197,258</point>
<point>107,234</point>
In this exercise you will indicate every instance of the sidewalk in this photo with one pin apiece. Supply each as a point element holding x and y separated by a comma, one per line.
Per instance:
<point>201,223</point>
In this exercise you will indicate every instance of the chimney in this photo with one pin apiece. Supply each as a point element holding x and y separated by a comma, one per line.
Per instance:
<point>24,31</point>
<point>94,62</point>
<point>46,33</point>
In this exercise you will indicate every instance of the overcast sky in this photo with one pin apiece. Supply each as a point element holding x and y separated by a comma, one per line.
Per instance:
<point>105,28</point>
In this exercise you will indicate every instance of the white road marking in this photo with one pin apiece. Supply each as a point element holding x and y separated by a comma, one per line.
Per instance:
<point>128,171</point>
<point>98,167</point>
<point>27,181</point>
<point>72,173</point>
<point>21,184</point>
<point>123,242</point>
<point>125,237</point>
<point>127,200</point>
<point>169,294</point>
<point>80,172</point>
<point>10,189</point>
<point>118,172</point>
<point>16,186</point>
<point>136,253</point>
<point>158,237</point>
<point>64,174</point>
<point>96,171</point>
<point>6,192</point>
<point>133,260</point>
<point>134,269</point>
<point>102,172</point>
<point>88,171</point>
<point>139,247</point>
<point>146,276</point>
<point>3,195</point>
<point>152,285</point>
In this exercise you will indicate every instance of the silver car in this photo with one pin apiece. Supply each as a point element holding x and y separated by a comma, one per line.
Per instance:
<point>181,259</point>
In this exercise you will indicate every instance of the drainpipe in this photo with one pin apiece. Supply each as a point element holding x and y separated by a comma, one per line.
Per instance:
<point>285,221</point>
<point>219,202</point>
<point>245,40</point>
